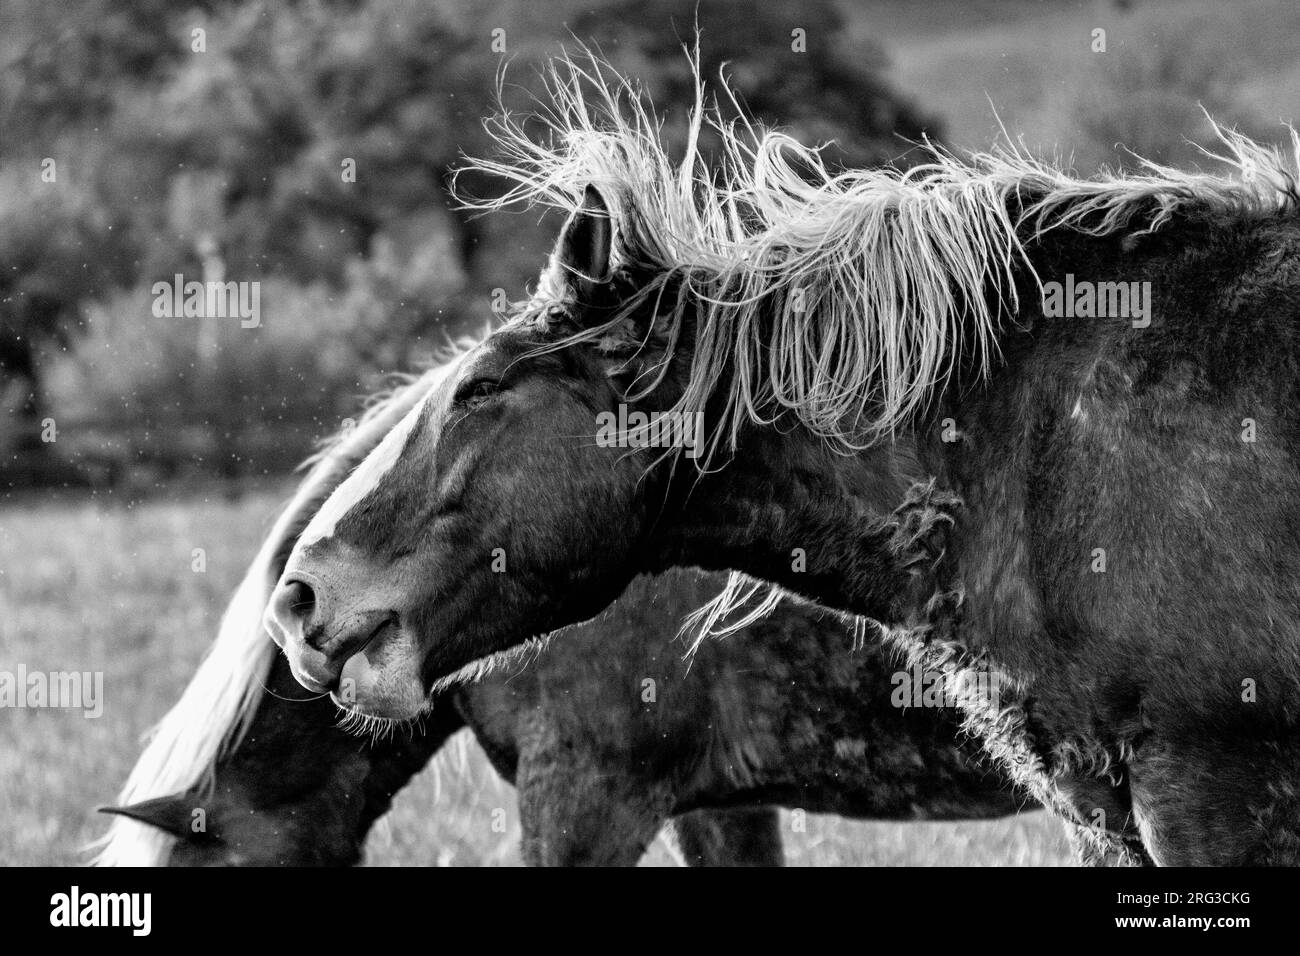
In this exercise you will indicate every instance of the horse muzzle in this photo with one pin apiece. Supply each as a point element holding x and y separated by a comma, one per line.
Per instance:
<point>318,634</point>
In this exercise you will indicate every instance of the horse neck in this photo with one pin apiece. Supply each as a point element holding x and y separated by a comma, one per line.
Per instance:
<point>852,532</point>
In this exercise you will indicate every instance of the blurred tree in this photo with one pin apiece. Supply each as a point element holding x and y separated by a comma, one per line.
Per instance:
<point>325,123</point>
<point>789,64</point>
<point>307,144</point>
<point>59,250</point>
<point>63,70</point>
<point>70,62</point>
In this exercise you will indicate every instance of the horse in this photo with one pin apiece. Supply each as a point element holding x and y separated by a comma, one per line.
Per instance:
<point>860,386</point>
<point>607,734</point>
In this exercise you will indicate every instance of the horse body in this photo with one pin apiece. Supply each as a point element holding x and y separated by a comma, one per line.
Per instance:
<point>780,713</point>
<point>1126,552</point>
<point>1110,538</point>
<point>608,734</point>
<point>1103,539</point>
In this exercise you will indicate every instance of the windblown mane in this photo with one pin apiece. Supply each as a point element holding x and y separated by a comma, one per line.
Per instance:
<point>845,298</point>
<point>221,699</point>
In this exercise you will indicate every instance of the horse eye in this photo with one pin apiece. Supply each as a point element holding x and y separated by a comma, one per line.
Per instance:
<point>476,390</point>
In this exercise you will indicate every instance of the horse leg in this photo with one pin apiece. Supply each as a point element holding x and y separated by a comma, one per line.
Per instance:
<point>744,836</point>
<point>399,757</point>
<point>1230,801</point>
<point>1098,817</point>
<point>575,812</point>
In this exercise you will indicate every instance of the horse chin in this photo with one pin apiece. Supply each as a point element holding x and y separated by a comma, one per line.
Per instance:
<point>383,680</point>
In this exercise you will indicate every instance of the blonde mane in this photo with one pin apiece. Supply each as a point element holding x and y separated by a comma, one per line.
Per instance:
<point>219,703</point>
<point>844,298</point>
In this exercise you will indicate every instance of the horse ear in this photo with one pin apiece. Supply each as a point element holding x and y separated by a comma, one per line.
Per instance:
<point>171,814</point>
<point>581,256</point>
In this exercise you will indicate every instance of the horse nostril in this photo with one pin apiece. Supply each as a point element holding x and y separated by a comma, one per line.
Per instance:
<point>294,609</point>
<point>300,600</point>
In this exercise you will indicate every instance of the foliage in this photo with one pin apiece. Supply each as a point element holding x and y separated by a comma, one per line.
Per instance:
<point>306,146</point>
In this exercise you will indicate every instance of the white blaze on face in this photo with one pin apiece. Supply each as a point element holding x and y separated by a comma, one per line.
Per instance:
<point>366,477</point>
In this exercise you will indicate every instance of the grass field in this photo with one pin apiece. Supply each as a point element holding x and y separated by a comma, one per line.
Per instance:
<point>92,585</point>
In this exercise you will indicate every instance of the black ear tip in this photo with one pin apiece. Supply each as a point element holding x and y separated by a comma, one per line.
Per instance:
<point>170,814</point>
<point>114,811</point>
<point>593,201</point>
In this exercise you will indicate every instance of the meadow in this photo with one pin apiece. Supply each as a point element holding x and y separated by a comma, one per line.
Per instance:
<point>95,584</point>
